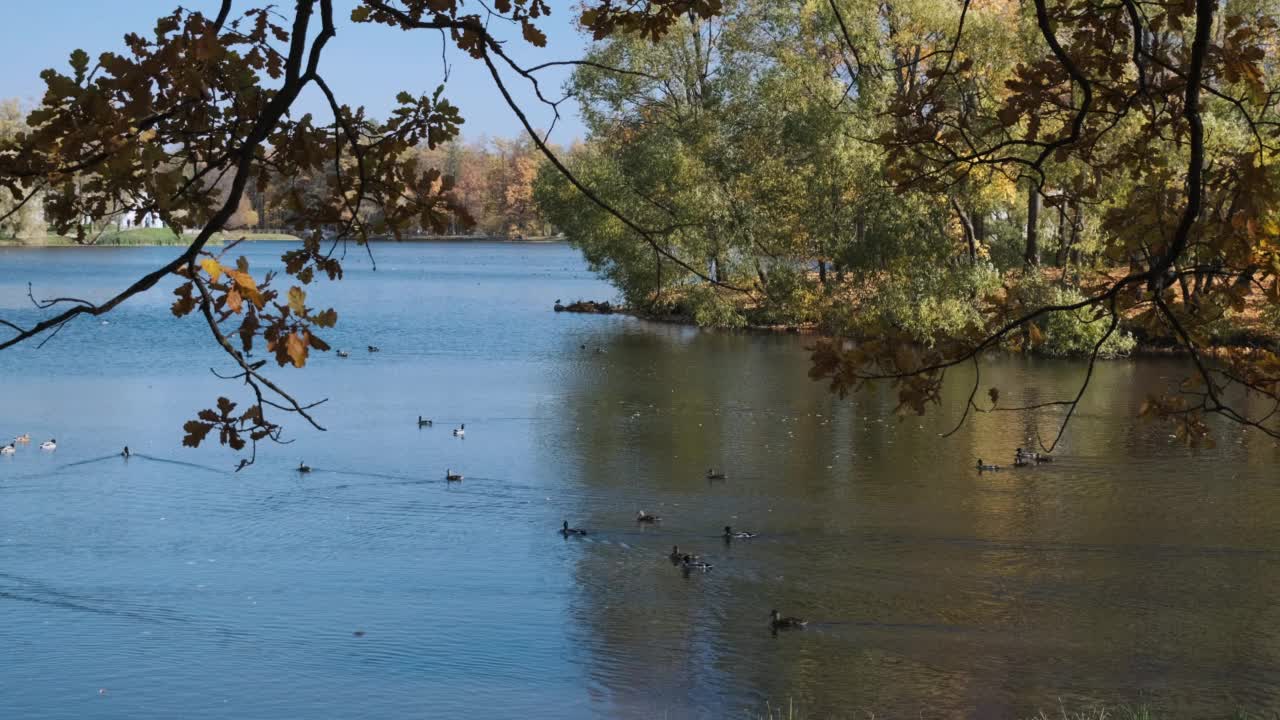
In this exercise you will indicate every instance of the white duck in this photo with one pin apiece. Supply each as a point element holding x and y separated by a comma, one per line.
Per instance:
<point>49,444</point>
<point>7,449</point>
<point>460,431</point>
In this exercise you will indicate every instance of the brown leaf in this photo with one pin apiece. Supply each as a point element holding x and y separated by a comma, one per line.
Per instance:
<point>296,346</point>
<point>196,432</point>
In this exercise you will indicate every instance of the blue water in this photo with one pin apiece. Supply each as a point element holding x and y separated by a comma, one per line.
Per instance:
<point>169,586</point>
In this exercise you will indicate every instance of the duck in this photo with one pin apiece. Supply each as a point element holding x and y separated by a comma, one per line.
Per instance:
<point>644,517</point>
<point>452,476</point>
<point>125,452</point>
<point>678,557</point>
<point>729,534</point>
<point>713,475</point>
<point>304,468</point>
<point>7,449</point>
<point>984,466</point>
<point>343,354</point>
<point>777,622</point>
<point>24,438</point>
<point>423,423</point>
<point>566,531</point>
<point>691,563</point>
<point>558,307</point>
<point>49,444</point>
<point>1031,456</point>
<point>374,348</point>
<point>460,431</point>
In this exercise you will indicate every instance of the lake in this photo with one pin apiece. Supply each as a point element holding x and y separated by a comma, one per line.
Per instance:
<point>1132,569</point>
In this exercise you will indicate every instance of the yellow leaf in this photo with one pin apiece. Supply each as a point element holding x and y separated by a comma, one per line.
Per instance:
<point>213,267</point>
<point>234,301</point>
<point>297,301</point>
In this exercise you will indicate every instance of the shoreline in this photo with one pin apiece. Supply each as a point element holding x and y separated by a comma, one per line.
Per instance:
<point>1145,348</point>
<point>59,241</point>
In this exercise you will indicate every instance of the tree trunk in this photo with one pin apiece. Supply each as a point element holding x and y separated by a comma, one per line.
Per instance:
<point>822,272</point>
<point>1032,254</point>
<point>657,293</point>
<point>966,224</point>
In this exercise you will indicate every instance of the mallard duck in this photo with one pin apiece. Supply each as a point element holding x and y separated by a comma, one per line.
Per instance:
<point>7,449</point>
<point>460,431</point>
<point>777,622</point>
<point>49,444</point>
<point>983,466</point>
<point>423,423</point>
<point>729,534</point>
<point>681,557</point>
<point>452,476</point>
<point>692,563</point>
<point>644,517</point>
<point>343,354</point>
<point>374,348</point>
<point>24,438</point>
<point>713,475</point>
<point>566,531</point>
<point>304,468</point>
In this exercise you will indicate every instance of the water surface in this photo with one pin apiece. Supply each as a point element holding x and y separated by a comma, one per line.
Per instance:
<point>1131,569</point>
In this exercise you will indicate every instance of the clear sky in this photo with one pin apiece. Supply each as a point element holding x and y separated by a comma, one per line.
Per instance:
<point>365,64</point>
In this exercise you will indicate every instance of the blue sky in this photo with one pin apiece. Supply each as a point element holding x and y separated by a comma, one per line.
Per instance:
<point>365,64</point>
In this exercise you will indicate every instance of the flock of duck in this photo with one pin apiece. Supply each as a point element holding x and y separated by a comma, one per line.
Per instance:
<point>1021,458</point>
<point>458,432</point>
<point>25,439</point>
<point>689,562</point>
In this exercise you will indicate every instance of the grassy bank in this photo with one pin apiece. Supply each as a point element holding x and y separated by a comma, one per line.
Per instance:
<point>162,237</point>
<point>136,237</point>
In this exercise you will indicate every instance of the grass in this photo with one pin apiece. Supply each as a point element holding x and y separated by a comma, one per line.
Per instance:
<point>140,237</point>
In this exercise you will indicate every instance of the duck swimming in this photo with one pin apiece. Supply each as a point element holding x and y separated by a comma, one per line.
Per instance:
<point>729,534</point>
<point>644,517</point>
<point>713,475</point>
<point>452,476</point>
<point>374,348</point>
<point>125,452</point>
<point>7,449</point>
<point>566,531</point>
<point>49,444</point>
<point>343,354</point>
<point>1026,457</point>
<point>983,466</point>
<point>304,468</point>
<point>692,563</point>
<point>423,423</point>
<point>682,558</point>
<point>24,438</point>
<point>460,431</point>
<point>777,622</point>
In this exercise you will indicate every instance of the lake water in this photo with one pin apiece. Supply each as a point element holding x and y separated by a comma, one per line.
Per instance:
<point>1130,570</point>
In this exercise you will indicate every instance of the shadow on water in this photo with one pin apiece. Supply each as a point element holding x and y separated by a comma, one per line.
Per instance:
<point>927,586</point>
<point>24,589</point>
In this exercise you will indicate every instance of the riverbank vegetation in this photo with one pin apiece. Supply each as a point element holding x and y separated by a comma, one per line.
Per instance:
<point>795,158</point>
<point>934,180</point>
